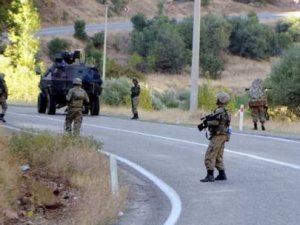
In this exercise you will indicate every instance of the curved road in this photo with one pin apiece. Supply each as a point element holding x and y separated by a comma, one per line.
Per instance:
<point>263,172</point>
<point>127,25</point>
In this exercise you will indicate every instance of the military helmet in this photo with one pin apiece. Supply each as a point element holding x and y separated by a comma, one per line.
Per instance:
<point>77,81</point>
<point>2,75</point>
<point>135,79</point>
<point>223,97</point>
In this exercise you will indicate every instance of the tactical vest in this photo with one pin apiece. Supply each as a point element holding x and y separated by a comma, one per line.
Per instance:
<point>223,123</point>
<point>78,97</point>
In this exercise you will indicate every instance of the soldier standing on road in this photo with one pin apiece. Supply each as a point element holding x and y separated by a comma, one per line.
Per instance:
<point>219,134</point>
<point>75,98</point>
<point>3,96</point>
<point>258,103</point>
<point>135,92</point>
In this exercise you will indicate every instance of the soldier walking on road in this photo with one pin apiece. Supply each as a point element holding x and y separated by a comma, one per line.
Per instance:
<point>3,96</point>
<point>219,128</point>
<point>135,92</point>
<point>258,103</point>
<point>75,98</point>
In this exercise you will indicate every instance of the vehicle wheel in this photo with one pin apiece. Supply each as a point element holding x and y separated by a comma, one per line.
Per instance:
<point>95,106</point>
<point>51,104</point>
<point>42,103</point>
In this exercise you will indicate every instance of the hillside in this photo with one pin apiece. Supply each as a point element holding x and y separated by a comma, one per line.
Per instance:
<point>63,12</point>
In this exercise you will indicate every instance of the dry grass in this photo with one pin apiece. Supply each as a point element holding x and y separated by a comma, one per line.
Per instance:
<point>70,166</point>
<point>181,117</point>
<point>238,74</point>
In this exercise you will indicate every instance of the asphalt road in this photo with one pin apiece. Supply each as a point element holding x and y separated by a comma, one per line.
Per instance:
<point>165,163</point>
<point>127,25</point>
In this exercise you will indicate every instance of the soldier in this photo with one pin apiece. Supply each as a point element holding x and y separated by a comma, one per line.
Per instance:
<point>258,103</point>
<point>75,98</point>
<point>3,96</point>
<point>218,127</point>
<point>135,92</point>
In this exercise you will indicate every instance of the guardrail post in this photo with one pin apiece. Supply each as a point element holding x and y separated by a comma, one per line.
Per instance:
<point>114,175</point>
<point>241,124</point>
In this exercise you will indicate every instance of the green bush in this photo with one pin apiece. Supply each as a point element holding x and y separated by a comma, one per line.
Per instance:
<point>98,40</point>
<point>119,5</point>
<point>57,45</point>
<point>205,2</point>
<point>251,39</point>
<point>284,80</point>
<point>170,98</point>
<point>139,21</point>
<point>94,57</point>
<point>79,27</point>
<point>113,70</point>
<point>157,102</point>
<point>115,91</point>
<point>145,99</point>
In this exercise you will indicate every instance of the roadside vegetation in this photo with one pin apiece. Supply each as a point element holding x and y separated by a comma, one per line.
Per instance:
<point>55,179</point>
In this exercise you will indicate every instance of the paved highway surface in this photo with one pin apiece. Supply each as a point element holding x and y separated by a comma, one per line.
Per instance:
<point>127,25</point>
<point>162,165</point>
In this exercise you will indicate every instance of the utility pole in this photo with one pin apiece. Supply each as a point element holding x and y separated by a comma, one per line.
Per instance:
<point>104,45</point>
<point>195,57</point>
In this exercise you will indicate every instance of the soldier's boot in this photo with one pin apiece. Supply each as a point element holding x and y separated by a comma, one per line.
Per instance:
<point>263,127</point>
<point>2,117</point>
<point>135,116</point>
<point>221,176</point>
<point>255,126</point>
<point>209,177</point>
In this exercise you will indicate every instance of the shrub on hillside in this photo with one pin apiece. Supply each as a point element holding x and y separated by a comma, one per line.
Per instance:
<point>79,27</point>
<point>215,33</point>
<point>251,39</point>
<point>98,39</point>
<point>119,5</point>
<point>285,78</point>
<point>94,57</point>
<point>57,45</point>
<point>113,70</point>
<point>115,91</point>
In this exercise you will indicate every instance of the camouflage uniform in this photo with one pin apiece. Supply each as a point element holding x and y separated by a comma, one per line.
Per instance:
<point>219,134</point>
<point>135,92</point>
<point>258,103</point>
<point>3,96</point>
<point>76,97</point>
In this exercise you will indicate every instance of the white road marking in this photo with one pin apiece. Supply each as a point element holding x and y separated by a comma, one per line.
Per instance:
<point>272,161</point>
<point>166,189</point>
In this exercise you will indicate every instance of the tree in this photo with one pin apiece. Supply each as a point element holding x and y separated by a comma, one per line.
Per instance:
<point>251,39</point>
<point>23,22</point>
<point>284,80</point>
<point>169,50</point>
<point>215,33</point>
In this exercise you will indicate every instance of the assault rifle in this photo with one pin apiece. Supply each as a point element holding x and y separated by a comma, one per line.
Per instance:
<point>205,119</point>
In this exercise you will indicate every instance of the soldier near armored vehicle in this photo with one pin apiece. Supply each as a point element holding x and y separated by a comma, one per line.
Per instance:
<point>218,124</point>
<point>258,103</point>
<point>3,96</point>
<point>75,98</point>
<point>135,92</point>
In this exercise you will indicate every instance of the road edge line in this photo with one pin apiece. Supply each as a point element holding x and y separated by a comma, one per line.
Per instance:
<point>165,188</point>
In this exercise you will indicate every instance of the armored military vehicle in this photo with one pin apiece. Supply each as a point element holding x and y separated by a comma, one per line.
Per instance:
<point>58,80</point>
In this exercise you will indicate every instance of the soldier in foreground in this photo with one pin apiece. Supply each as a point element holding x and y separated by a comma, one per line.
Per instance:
<point>75,98</point>
<point>218,124</point>
<point>135,92</point>
<point>3,96</point>
<point>258,103</point>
